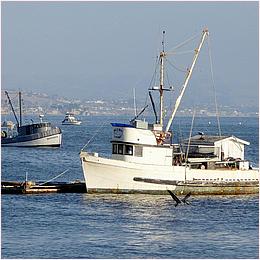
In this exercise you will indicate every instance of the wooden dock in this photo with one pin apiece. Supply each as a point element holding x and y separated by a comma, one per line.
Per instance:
<point>30,187</point>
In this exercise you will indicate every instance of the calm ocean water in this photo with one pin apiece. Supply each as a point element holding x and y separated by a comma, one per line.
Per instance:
<point>122,226</point>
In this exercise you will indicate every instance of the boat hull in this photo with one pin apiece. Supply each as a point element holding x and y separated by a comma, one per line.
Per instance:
<point>103,175</point>
<point>74,123</point>
<point>50,141</point>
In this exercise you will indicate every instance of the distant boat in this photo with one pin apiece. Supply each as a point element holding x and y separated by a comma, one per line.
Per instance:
<point>144,159</point>
<point>70,120</point>
<point>29,135</point>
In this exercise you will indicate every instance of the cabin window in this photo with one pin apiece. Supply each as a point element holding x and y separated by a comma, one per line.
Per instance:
<point>138,151</point>
<point>114,149</point>
<point>120,149</point>
<point>129,150</point>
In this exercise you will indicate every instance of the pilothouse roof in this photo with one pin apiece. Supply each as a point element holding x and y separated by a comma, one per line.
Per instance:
<point>211,139</point>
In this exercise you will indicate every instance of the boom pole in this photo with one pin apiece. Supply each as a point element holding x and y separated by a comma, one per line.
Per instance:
<point>189,72</point>
<point>11,105</point>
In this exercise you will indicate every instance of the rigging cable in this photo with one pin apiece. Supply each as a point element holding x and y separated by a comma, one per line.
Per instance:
<point>155,72</point>
<point>153,79</point>
<point>52,178</point>
<point>213,84</point>
<point>171,89</point>
<point>102,125</point>
<point>180,52</point>
<point>175,67</point>
<point>188,148</point>
<point>185,42</point>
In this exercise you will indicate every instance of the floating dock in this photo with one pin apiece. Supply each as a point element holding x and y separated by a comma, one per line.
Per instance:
<point>30,187</point>
<point>196,188</point>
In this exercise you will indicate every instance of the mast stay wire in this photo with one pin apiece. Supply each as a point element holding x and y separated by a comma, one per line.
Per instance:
<point>213,85</point>
<point>97,131</point>
<point>13,101</point>
<point>180,52</point>
<point>153,79</point>
<point>175,67</point>
<point>155,71</point>
<point>169,105</point>
<point>171,51</point>
<point>183,43</point>
<point>188,148</point>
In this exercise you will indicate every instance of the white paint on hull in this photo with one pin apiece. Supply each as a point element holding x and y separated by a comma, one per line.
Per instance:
<point>103,173</point>
<point>53,140</point>
<point>72,123</point>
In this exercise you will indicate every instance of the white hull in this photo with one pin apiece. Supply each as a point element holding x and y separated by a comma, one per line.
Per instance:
<point>108,175</point>
<point>53,140</point>
<point>72,123</point>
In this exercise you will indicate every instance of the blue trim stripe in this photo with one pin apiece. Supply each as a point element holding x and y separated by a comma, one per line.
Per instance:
<point>121,125</point>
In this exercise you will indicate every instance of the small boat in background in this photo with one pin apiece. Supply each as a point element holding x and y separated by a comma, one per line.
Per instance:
<point>70,120</point>
<point>29,135</point>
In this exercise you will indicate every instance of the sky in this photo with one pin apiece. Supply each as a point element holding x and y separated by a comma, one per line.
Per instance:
<point>103,50</point>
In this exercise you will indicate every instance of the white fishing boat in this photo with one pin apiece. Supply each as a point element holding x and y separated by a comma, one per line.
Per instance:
<point>144,159</point>
<point>70,120</point>
<point>29,135</point>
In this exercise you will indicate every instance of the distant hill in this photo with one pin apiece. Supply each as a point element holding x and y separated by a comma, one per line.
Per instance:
<point>41,103</point>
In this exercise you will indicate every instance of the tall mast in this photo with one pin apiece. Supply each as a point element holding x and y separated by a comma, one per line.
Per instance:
<point>11,105</point>
<point>189,72</point>
<point>162,55</point>
<point>20,107</point>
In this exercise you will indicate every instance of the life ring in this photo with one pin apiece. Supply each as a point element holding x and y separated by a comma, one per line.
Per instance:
<point>3,134</point>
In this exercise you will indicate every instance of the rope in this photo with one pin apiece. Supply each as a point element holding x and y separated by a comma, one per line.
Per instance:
<point>155,72</point>
<point>180,52</point>
<point>213,84</point>
<point>188,148</point>
<point>93,136</point>
<point>185,42</point>
<point>237,143</point>
<point>180,137</point>
<point>54,177</point>
<point>175,67</point>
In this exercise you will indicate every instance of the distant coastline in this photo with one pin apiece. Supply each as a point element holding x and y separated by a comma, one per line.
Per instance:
<point>39,103</point>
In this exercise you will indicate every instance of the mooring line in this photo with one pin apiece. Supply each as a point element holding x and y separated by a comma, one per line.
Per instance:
<point>54,177</point>
<point>93,136</point>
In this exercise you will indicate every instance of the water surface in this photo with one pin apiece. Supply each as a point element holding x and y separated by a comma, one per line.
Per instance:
<point>122,226</point>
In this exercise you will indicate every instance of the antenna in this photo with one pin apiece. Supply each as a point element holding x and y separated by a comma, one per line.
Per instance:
<point>134,102</point>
